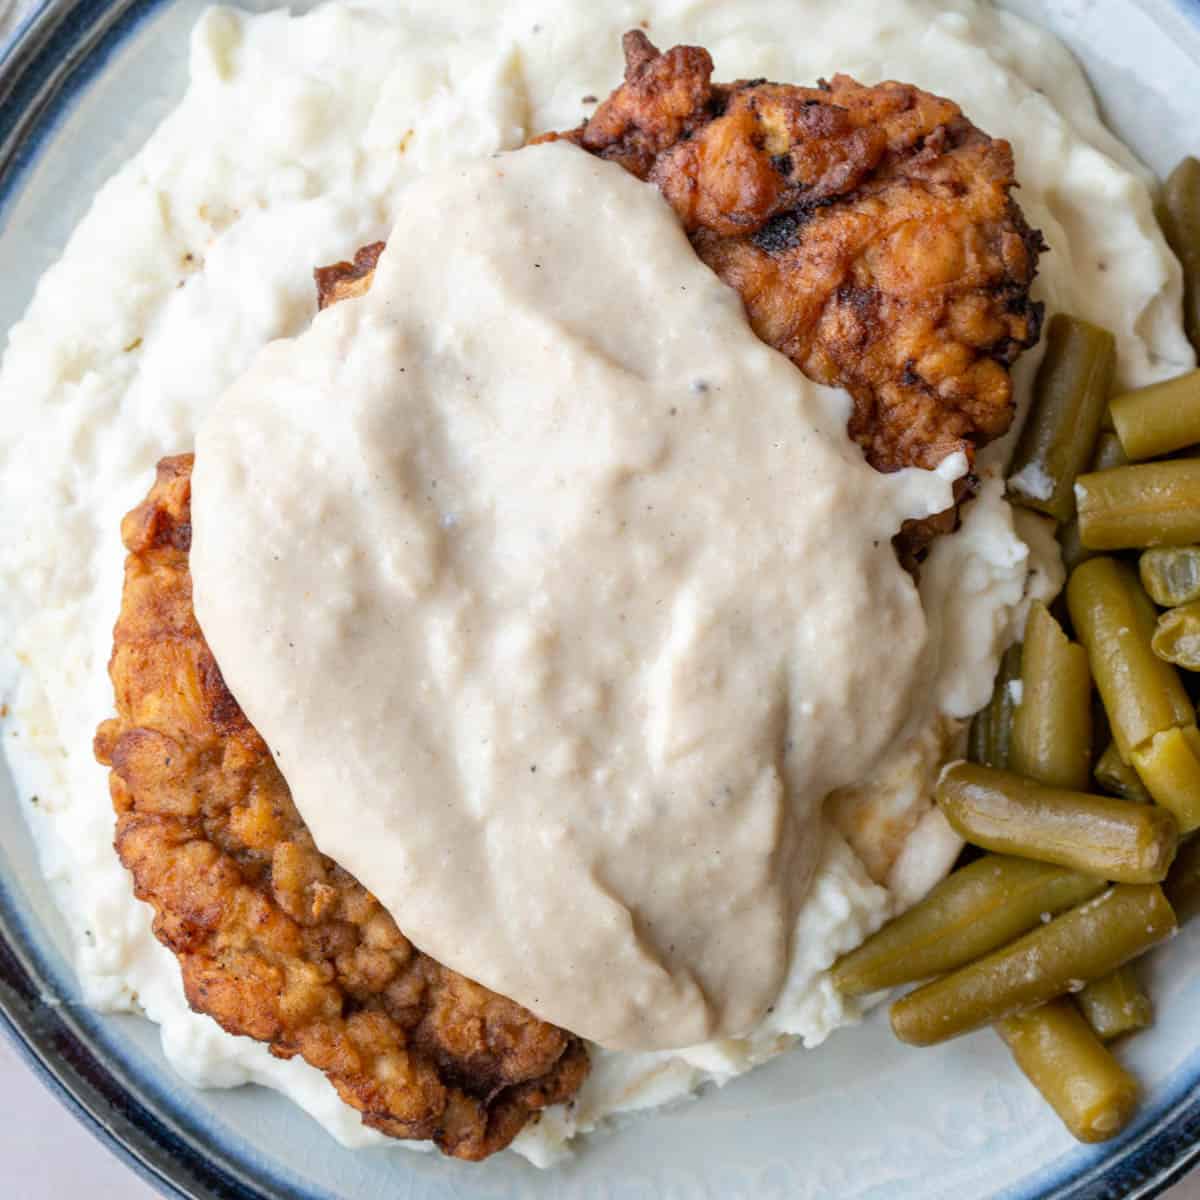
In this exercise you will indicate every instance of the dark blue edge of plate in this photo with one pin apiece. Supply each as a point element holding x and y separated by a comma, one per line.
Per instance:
<point>47,58</point>
<point>42,1028</point>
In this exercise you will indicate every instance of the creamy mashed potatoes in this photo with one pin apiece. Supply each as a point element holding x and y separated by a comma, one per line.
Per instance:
<point>288,151</point>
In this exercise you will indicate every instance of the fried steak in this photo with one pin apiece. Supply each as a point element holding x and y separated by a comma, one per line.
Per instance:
<point>873,238</point>
<point>870,231</point>
<point>275,941</point>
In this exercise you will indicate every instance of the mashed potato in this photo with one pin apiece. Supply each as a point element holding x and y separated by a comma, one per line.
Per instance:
<point>287,152</point>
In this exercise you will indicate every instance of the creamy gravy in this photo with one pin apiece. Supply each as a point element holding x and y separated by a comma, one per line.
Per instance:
<point>559,597</point>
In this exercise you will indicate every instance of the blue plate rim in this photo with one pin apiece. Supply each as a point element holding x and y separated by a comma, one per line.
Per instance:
<point>38,1019</point>
<point>45,60</point>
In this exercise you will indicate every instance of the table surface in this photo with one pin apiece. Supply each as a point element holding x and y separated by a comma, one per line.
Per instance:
<point>48,1155</point>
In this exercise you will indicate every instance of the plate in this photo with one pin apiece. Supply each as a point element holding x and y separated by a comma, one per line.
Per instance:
<point>82,82</point>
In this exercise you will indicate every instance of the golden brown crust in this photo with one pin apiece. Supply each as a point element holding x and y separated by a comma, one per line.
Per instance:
<point>870,231</point>
<point>873,238</point>
<point>344,280</point>
<point>275,941</point>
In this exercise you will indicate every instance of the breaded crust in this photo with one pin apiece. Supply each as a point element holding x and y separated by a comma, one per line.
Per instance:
<point>275,941</point>
<point>872,235</point>
<point>871,232</point>
<point>345,280</point>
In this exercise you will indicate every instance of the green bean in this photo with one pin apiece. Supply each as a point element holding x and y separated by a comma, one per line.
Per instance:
<point>1169,766</point>
<point>1101,729</point>
<point>1147,504</point>
<point>1093,1095</point>
<point>1084,943</point>
<point>1109,452</point>
<point>1052,726</point>
<point>1070,395</point>
<point>1159,419</point>
<point>1183,881</point>
<point>973,910</point>
<point>1118,778</point>
<point>1100,835</point>
<point>1073,550</point>
<point>1180,217</point>
<point>1003,704</point>
<point>978,738</point>
<point>1177,638</point>
<point>1116,1004</point>
<point>1115,620</point>
<point>1108,455</point>
<point>1171,574</point>
<point>990,739</point>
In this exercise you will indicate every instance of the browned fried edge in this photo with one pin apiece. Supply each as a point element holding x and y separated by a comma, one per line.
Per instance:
<point>203,816</point>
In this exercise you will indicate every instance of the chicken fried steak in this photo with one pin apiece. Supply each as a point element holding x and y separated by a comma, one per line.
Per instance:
<point>275,941</point>
<point>870,231</point>
<point>872,235</point>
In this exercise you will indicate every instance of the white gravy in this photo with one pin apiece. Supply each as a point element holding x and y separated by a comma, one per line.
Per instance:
<point>559,597</point>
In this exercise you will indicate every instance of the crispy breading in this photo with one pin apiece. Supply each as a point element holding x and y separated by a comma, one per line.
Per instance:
<point>872,235</point>
<point>275,940</point>
<point>345,280</point>
<point>870,231</point>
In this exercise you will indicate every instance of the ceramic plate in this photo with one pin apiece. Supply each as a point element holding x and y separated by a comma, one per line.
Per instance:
<point>82,83</point>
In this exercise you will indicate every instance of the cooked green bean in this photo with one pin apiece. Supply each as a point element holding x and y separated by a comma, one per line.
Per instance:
<point>1070,396</point>
<point>1158,419</point>
<point>1115,621</point>
<point>1073,550</point>
<point>978,744</point>
<point>1052,726</point>
<point>1116,1004</point>
<point>1084,943</point>
<point>1077,1075</point>
<point>1003,704</point>
<point>1101,835</point>
<point>1177,638</point>
<point>1101,729</point>
<point>973,910</point>
<point>1048,1043</point>
<point>1169,766</point>
<point>1171,574</point>
<point>1109,452</point>
<point>1118,778</point>
<point>1180,217</point>
<point>1147,504</point>
<point>990,739</point>
<point>1108,447</point>
<point>1183,881</point>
